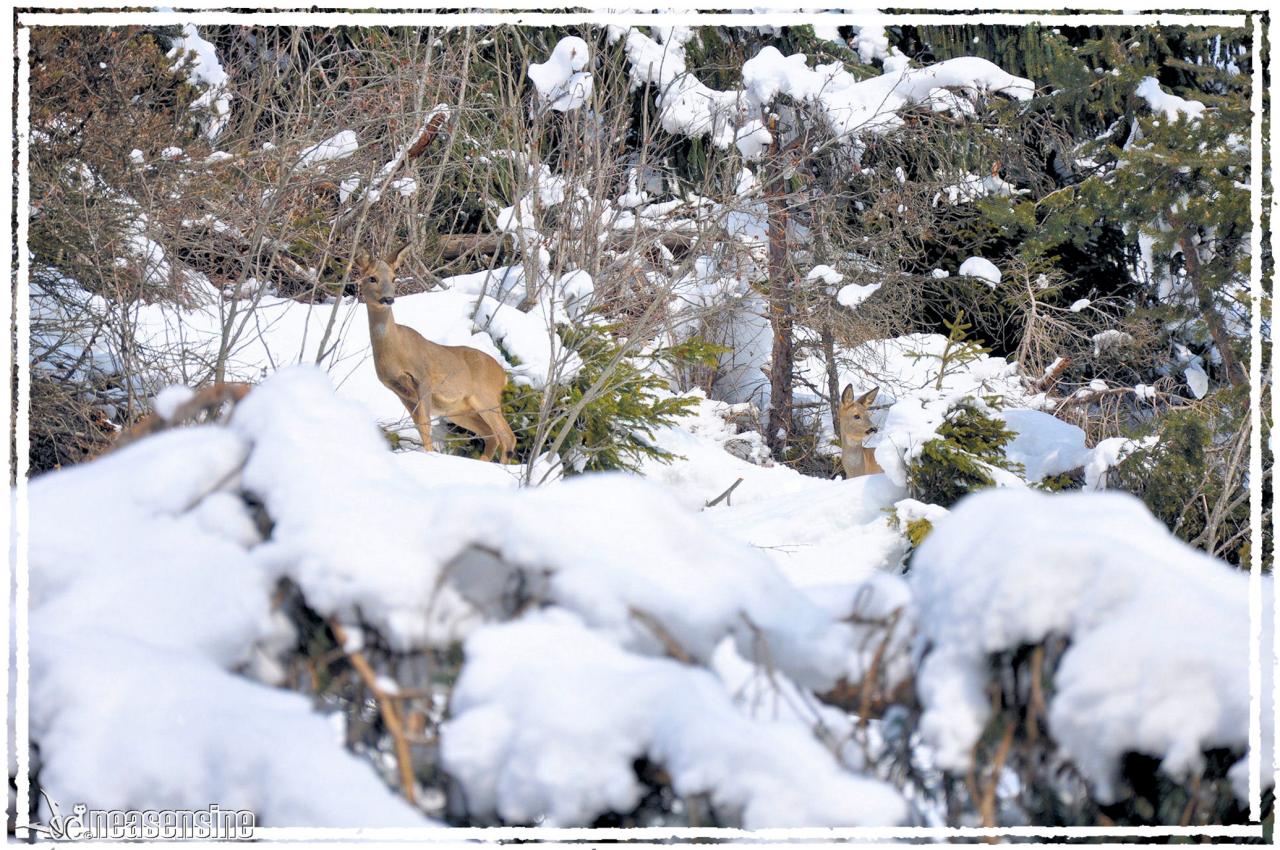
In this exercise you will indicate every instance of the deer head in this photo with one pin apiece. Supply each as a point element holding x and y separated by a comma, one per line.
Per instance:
<point>855,415</point>
<point>377,277</point>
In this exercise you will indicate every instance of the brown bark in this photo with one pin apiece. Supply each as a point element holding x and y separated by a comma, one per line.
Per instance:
<point>455,245</point>
<point>828,341</point>
<point>1235,371</point>
<point>781,306</point>
<point>429,134</point>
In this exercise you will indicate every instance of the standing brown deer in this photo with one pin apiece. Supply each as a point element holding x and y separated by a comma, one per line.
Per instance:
<point>461,384</point>
<point>855,426</point>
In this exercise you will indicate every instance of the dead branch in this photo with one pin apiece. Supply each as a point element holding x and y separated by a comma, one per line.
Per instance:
<point>674,649</point>
<point>205,402</point>
<point>386,707</point>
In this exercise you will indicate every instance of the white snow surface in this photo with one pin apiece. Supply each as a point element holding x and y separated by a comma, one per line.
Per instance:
<point>200,60</point>
<point>145,596</point>
<point>853,294</point>
<point>824,273</point>
<point>338,146</point>
<point>561,81</point>
<point>1159,652</point>
<point>981,268</point>
<point>1197,380</point>
<point>1044,445</point>
<point>525,737</point>
<point>1169,105</point>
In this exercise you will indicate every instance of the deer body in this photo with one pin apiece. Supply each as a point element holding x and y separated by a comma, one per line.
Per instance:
<point>855,427</point>
<point>461,384</point>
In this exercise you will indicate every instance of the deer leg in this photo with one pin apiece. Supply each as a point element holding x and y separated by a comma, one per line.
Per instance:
<point>476,425</point>
<point>420,410</point>
<point>497,425</point>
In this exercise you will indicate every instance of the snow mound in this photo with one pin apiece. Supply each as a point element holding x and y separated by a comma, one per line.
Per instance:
<point>145,596</point>
<point>1159,652</point>
<point>698,585</point>
<point>1044,444</point>
<point>550,717</point>
<point>852,294</point>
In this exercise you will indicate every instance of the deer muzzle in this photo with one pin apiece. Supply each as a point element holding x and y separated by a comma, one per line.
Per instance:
<point>386,300</point>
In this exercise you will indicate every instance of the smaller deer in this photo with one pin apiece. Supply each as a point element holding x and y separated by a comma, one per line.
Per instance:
<point>461,384</point>
<point>855,426</point>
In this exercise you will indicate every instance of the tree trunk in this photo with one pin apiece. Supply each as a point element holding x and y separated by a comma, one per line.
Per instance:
<point>781,308</point>
<point>1235,371</point>
<point>833,377</point>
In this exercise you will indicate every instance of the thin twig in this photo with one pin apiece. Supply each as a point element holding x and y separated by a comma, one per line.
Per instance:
<point>988,805</point>
<point>386,706</point>
<point>674,649</point>
<point>725,495</point>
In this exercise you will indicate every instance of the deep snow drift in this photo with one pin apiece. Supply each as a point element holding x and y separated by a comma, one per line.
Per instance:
<point>154,640</point>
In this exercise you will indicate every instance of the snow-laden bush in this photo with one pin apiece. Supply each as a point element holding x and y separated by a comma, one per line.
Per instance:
<point>967,455</point>
<point>164,556</point>
<point>1155,661</point>
<point>150,615</point>
<point>601,419</point>
<point>623,656</point>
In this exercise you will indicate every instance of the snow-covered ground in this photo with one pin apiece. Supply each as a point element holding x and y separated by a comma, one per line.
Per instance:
<point>156,562</point>
<point>153,633</point>
<point>172,573</point>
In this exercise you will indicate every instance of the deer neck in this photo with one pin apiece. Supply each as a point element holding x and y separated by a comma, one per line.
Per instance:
<point>382,328</point>
<point>855,460</point>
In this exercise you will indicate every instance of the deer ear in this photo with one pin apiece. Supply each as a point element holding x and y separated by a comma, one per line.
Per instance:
<point>870,396</point>
<point>398,256</point>
<point>360,262</point>
<point>846,397</point>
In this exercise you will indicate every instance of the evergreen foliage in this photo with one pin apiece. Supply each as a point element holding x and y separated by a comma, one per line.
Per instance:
<point>970,443</point>
<point>1192,477</point>
<point>614,430</point>
<point>1097,168</point>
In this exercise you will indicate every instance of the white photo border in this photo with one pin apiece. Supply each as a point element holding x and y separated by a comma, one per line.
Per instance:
<point>15,522</point>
